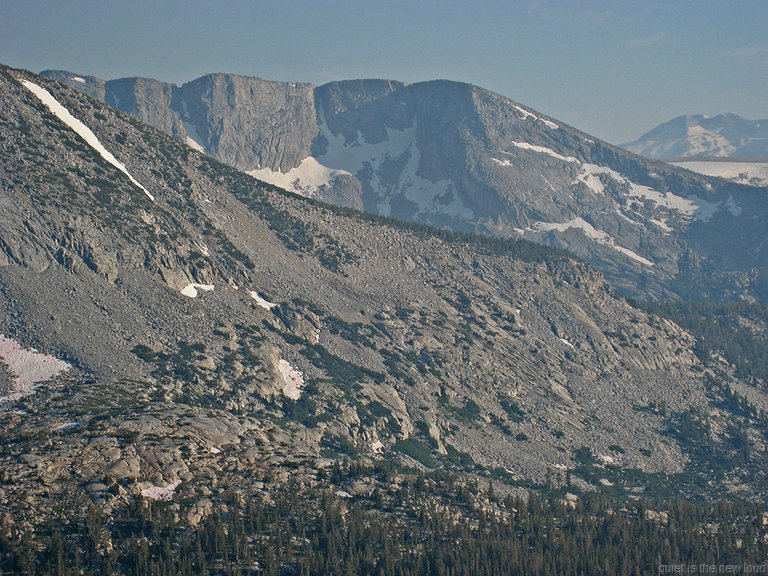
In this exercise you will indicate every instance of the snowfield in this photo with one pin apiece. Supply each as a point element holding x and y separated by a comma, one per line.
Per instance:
<point>750,173</point>
<point>27,367</point>
<point>293,380</point>
<point>81,129</point>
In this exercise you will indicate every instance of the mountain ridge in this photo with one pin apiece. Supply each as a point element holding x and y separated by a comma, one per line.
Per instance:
<point>193,320</point>
<point>455,155</point>
<point>724,135</point>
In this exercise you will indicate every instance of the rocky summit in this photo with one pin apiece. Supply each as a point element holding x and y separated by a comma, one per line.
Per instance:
<point>460,157</point>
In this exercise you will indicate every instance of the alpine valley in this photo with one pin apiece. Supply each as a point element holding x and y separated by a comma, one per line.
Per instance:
<point>203,372</point>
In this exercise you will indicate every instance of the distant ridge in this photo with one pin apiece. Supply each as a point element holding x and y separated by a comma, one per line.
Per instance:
<point>723,136</point>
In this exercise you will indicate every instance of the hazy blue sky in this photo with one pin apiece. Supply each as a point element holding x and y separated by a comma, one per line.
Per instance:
<point>614,69</point>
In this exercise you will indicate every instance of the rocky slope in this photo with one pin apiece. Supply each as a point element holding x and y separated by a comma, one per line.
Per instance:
<point>457,156</point>
<point>218,331</point>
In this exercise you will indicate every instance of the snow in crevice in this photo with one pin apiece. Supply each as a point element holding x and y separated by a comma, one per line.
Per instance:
<point>527,114</point>
<point>261,301</point>
<point>81,130</point>
<point>293,380</point>
<point>78,79</point>
<point>544,150</point>
<point>191,289</point>
<point>593,233</point>
<point>666,228</point>
<point>193,139</point>
<point>692,206</point>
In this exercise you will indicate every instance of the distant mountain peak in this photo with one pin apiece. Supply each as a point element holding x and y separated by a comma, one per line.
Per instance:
<point>725,135</point>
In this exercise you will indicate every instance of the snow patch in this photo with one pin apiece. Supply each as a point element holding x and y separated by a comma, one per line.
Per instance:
<point>377,447</point>
<point>260,301</point>
<point>78,79</point>
<point>67,426</point>
<point>193,139</point>
<point>194,145</point>
<point>503,162</point>
<point>164,493</point>
<point>81,129</point>
<point>190,290</point>
<point>593,233</point>
<point>293,380</point>
<point>358,158</point>
<point>691,206</point>
<point>564,341</point>
<point>304,179</point>
<point>27,367</point>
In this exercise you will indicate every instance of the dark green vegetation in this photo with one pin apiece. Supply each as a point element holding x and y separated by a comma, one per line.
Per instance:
<point>737,329</point>
<point>407,524</point>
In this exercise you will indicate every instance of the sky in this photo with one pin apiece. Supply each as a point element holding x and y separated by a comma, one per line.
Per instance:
<point>612,68</point>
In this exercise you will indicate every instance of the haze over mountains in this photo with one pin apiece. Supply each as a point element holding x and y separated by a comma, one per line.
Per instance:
<point>724,136</point>
<point>726,146</point>
<point>455,155</point>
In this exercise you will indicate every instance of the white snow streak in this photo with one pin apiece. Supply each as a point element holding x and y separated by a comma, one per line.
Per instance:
<point>544,150</point>
<point>78,79</point>
<point>81,129</point>
<point>590,231</point>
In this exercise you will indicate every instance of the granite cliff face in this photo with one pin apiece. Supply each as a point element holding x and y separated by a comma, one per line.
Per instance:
<point>457,156</point>
<point>219,331</point>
